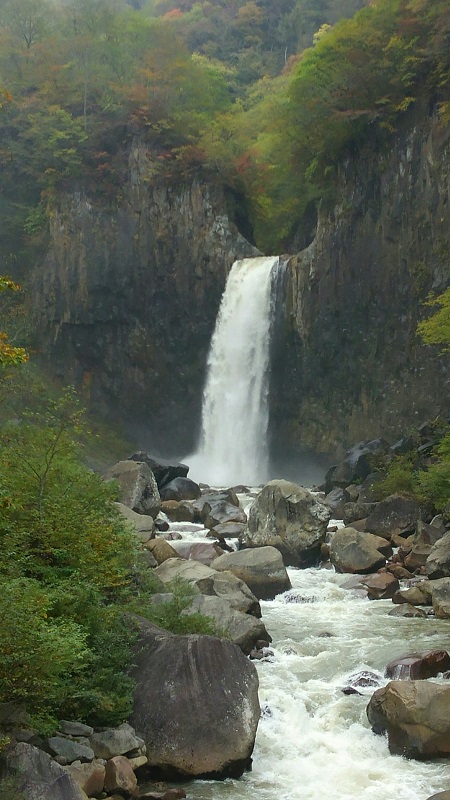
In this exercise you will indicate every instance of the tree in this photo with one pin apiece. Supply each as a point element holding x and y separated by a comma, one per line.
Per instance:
<point>436,329</point>
<point>10,355</point>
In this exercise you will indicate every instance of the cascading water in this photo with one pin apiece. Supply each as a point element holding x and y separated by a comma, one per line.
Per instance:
<point>233,447</point>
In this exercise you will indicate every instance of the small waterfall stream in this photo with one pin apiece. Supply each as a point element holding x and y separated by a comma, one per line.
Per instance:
<point>235,416</point>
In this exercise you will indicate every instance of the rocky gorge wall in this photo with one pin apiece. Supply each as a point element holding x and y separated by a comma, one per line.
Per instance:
<point>127,295</point>
<point>349,364</point>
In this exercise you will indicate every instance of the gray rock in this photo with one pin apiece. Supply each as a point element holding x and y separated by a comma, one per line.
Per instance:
<point>114,741</point>
<point>406,610</point>
<point>69,750</point>
<point>204,552</point>
<point>196,703</point>
<point>164,471</point>
<point>244,630</point>
<point>227,530</point>
<point>143,524</point>
<point>222,512</point>
<point>89,777</point>
<point>261,568</point>
<point>39,777</point>
<point>137,486</point>
<point>394,515</point>
<point>355,552</point>
<point>437,564</point>
<point>180,489</point>
<point>356,464</point>
<point>290,518</point>
<point>75,728</point>
<point>416,716</point>
<point>440,597</point>
<point>357,511</point>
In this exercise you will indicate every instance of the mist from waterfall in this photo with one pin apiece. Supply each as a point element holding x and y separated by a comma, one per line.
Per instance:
<point>233,447</point>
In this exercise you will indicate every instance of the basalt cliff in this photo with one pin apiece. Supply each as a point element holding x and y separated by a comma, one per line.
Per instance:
<point>127,295</point>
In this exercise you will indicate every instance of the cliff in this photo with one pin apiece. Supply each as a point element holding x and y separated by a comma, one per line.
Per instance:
<point>126,298</point>
<point>352,366</point>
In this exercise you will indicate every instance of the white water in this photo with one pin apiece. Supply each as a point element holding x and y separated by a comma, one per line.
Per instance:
<point>314,742</point>
<point>233,447</point>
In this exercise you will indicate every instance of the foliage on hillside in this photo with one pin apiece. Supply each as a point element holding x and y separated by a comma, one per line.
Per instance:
<point>70,570</point>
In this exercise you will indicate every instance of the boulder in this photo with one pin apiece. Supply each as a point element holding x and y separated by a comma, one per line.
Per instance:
<point>204,552</point>
<point>89,777</point>
<point>114,741</point>
<point>440,796</point>
<point>179,511</point>
<point>406,610</point>
<point>227,530</point>
<point>401,573</point>
<point>380,586</point>
<point>68,750</point>
<point>357,462</point>
<point>396,514</point>
<point>143,524</point>
<point>416,716</point>
<point>413,596</point>
<point>440,597</point>
<point>73,728</point>
<point>290,518</point>
<point>209,498</point>
<point>367,489</point>
<point>261,568</point>
<point>336,500</point>
<point>353,551</point>
<point>120,777</point>
<point>180,489</point>
<point>161,550</point>
<point>422,543</point>
<point>164,471</point>
<point>137,486</point>
<point>354,512</point>
<point>207,580</point>
<point>437,564</point>
<point>196,703</point>
<point>244,630</point>
<point>418,666</point>
<point>39,777</point>
<point>222,512</point>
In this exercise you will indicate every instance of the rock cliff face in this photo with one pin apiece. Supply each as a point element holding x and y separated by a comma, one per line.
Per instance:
<point>127,297</point>
<point>348,364</point>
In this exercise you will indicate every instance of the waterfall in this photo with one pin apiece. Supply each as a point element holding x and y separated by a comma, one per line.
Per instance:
<point>233,446</point>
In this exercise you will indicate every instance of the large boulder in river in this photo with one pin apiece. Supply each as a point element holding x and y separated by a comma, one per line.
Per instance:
<point>440,597</point>
<point>395,514</point>
<point>242,629</point>
<point>180,489</point>
<point>416,716</point>
<point>357,462</point>
<point>290,518</point>
<point>208,581</point>
<point>418,666</point>
<point>142,524</point>
<point>196,703</point>
<point>137,486</point>
<point>38,777</point>
<point>355,552</point>
<point>164,471</point>
<point>261,568</point>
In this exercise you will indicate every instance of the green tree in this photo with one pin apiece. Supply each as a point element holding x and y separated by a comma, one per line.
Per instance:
<point>436,329</point>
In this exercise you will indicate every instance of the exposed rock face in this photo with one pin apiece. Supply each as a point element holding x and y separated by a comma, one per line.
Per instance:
<point>418,666</point>
<point>127,296</point>
<point>137,486</point>
<point>352,365</point>
<point>196,703</point>
<point>261,568</point>
<point>416,716</point>
<point>290,518</point>
<point>41,778</point>
<point>438,562</point>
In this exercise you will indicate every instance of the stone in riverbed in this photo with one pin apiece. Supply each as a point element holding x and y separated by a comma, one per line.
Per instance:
<point>380,586</point>
<point>394,515</point>
<point>416,716</point>
<point>290,518</point>
<point>406,610</point>
<point>261,568</point>
<point>164,471</point>
<point>137,487</point>
<point>438,562</point>
<point>180,489</point>
<point>355,552</point>
<point>196,703</point>
<point>418,666</point>
<point>39,777</point>
<point>244,630</point>
<point>120,777</point>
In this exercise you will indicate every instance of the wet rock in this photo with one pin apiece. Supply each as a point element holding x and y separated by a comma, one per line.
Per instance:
<point>354,552</point>
<point>440,796</point>
<point>440,595</point>
<point>367,490</point>
<point>244,630</point>
<point>395,514</point>
<point>380,586</point>
<point>290,518</point>
<point>418,666</point>
<point>196,703</point>
<point>413,596</point>
<point>336,500</point>
<point>222,512</point>
<point>422,544</point>
<point>401,573</point>
<point>364,679</point>
<point>406,610</point>
<point>261,568</point>
<point>416,716</point>
<point>180,489</point>
<point>179,511</point>
<point>161,525</point>
<point>164,471</point>
<point>137,487</point>
<point>227,530</point>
